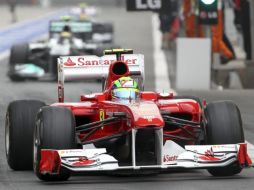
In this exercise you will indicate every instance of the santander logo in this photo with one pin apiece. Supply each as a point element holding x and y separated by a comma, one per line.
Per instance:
<point>84,61</point>
<point>69,63</point>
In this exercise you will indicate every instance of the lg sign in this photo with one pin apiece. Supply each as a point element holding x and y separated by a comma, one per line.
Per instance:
<point>143,5</point>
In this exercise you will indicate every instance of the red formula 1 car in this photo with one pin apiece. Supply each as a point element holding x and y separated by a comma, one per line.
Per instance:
<point>155,132</point>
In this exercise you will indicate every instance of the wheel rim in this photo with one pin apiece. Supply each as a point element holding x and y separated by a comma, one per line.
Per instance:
<point>7,135</point>
<point>36,143</point>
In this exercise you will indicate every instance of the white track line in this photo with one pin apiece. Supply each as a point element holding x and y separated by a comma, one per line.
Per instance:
<point>26,21</point>
<point>4,55</point>
<point>250,150</point>
<point>162,82</point>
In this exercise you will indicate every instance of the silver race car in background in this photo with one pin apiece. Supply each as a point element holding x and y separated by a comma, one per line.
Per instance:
<point>38,60</point>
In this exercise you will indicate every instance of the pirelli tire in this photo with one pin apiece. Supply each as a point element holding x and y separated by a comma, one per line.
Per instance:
<point>19,128</point>
<point>19,54</point>
<point>224,126</point>
<point>55,129</point>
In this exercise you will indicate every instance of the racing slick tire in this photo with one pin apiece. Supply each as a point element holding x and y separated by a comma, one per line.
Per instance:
<point>19,54</point>
<point>55,129</point>
<point>19,127</point>
<point>224,126</point>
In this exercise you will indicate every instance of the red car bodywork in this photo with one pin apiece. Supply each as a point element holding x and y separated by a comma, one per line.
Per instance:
<point>142,113</point>
<point>174,122</point>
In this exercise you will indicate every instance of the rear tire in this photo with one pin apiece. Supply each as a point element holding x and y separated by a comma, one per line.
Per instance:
<point>19,127</point>
<point>55,129</point>
<point>224,126</point>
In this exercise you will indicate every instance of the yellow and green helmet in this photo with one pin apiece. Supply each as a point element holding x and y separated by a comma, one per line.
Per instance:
<point>66,18</point>
<point>125,88</point>
<point>83,5</point>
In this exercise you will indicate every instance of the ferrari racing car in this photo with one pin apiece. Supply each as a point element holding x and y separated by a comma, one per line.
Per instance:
<point>38,60</point>
<point>132,130</point>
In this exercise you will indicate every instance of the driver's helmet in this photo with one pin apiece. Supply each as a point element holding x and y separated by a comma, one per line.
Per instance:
<point>83,15</point>
<point>66,18</point>
<point>83,5</point>
<point>66,32</point>
<point>125,89</point>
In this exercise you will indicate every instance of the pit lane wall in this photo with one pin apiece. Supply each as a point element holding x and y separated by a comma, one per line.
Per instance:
<point>193,68</point>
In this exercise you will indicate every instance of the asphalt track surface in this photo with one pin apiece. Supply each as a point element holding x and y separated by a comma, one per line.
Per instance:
<point>133,30</point>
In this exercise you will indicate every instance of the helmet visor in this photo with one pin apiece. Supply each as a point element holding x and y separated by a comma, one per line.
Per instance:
<point>125,93</point>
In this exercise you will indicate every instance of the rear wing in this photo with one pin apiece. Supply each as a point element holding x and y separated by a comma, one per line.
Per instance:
<point>56,26</point>
<point>71,68</point>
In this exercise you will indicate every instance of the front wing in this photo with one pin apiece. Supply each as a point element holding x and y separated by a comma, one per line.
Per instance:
<point>173,157</point>
<point>26,71</point>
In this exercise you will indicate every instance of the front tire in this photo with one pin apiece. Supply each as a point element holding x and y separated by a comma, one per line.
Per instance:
<point>19,127</point>
<point>19,55</point>
<point>224,126</point>
<point>55,129</point>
